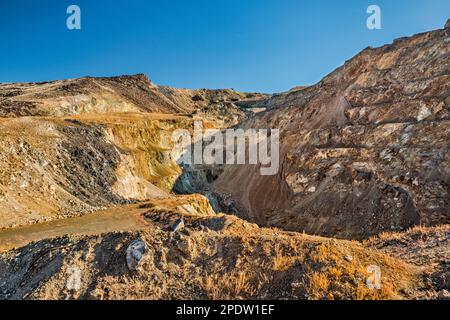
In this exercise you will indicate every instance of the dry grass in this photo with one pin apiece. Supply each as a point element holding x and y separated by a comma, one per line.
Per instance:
<point>283,262</point>
<point>386,292</point>
<point>344,272</point>
<point>418,232</point>
<point>319,283</point>
<point>235,285</point>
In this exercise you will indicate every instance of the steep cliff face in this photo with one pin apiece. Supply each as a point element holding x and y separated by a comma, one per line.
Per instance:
<point>363,151</point>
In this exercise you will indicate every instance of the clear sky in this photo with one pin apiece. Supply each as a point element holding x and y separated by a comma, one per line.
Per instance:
<point>249,45</point>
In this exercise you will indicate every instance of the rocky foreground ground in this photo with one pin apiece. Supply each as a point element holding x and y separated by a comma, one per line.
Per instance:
<point>91,203</point>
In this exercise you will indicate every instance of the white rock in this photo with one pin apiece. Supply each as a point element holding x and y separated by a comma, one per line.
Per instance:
<point>135,252</point>
<point>423,113</point>
<point>178,225</point>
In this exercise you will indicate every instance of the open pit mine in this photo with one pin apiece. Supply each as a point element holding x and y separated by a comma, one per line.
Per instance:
<point>95,204</point>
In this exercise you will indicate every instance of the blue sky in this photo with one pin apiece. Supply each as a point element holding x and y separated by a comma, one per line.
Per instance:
<point>249,45</point>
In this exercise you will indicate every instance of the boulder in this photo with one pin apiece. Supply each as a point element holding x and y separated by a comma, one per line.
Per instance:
<point>135,252</point>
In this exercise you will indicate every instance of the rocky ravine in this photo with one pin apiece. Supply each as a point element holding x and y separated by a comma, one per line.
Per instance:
<point>88,174</point>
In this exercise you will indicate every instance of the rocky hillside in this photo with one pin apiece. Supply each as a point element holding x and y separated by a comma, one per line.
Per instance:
<point>365,150</point>
<point>119,94</point>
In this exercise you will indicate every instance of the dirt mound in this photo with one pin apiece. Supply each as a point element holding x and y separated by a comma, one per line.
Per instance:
<point>363,151</point>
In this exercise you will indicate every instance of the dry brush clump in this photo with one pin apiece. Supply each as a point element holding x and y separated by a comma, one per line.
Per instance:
<point>344,268</point>
<point>230,286</point>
